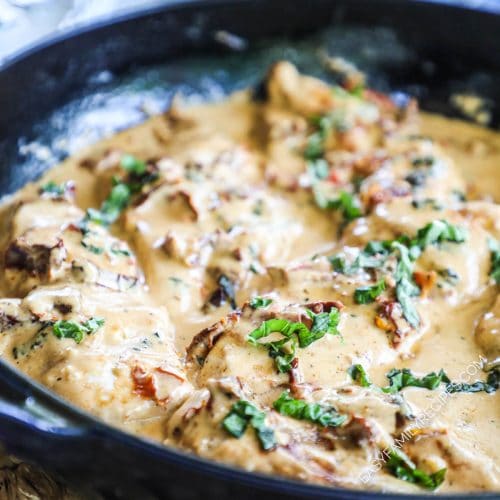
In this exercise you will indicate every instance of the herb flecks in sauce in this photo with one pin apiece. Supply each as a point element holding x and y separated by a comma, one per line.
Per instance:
<point>244,414</point>
<point>67,329</point>
<point>403,468</point>
<point>292,335</point>
<point>402,378</point>
<point>316,413</point>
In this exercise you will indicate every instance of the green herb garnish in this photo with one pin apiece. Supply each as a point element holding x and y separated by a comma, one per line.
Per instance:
<point>439,231</point>
<point>323,323</point>
<point>242,415</point>
<point>346,203</point>
<point>359,375</point>
<point>490,385</point>
<point>112,207</point>
<point>122,191</point>
<point>403,468</point>
<point>494,247</point>
<point>405,286</point>
<point>324,415</point>
<point>368,294</point>
<point>260,302</point>
<point>53,189</point>
<point>399,379</point>
<point>293,334</point>
<point>73,330</point>
<point>133,165</point>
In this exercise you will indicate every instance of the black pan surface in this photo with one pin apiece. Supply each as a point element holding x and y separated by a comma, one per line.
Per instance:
<point>70,91</point>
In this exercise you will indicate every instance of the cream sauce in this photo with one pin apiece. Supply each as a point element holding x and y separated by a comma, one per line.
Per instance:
<point>234,199</point>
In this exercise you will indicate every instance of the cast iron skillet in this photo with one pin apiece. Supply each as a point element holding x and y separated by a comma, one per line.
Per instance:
<point>95,80</point>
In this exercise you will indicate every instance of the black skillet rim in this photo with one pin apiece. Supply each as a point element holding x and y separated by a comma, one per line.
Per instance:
<point>20,383</point>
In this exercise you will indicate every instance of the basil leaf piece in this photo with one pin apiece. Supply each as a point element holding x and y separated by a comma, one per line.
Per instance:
<point>367,294</point>
<point>439,231</point>
<point>112,207</point>
<point>362,261</point>
<point>346,203</point>
<point>53,189</point>
<point>132,165</point>
<point>283,350</point>
<point>73,330</point>
<point>259,302</point>
<point>491,384</point>
<point>399,379</point>
<point>122,191</point>
<point>403,468</point>
<point>405,286</point>
<point>359,375</point>
<point>318,169</point>
<point>243,414</point>
<point>324,415</point>
<point>494,247</point>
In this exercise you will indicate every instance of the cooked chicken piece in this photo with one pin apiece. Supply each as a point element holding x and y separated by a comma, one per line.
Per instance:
<point>199,233</point>
<point>108,352</point>
<point>465,468</point>
<point>302,450</point>
<point>50,240</point>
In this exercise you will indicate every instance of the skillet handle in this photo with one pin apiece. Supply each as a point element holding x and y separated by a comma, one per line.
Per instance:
<point>33,417</point>
<point>29,417</point>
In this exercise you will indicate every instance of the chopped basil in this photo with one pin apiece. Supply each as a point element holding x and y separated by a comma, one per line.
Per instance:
<point>282,350</point>
<point>293,334</point>
<point>242,415</point>
<point>112,207</point>
<point>367,294</point>
<point>53,189</point>
<point>364,260</point>
<point>399,379</point>
<point>494,247</point>
<point>89,246</point>
<point>423,161</point>
<point>324,415</point>
<point>375,253</point>
<point>405,286</point>
<point>73,330</point>
<point>119,251</point>
<point>323,323</point>
<point>439,231</point>
<point>403,468</point>
<point>318,169</point>
<point>315,147</point>
<point>359,375</point>
<point>490,385</point>
<point>132,165</point>
<point>449,275</point>
<point>346,203</point>
<point>260,302</point>
<point>427,203</point>
<point>122,191</point>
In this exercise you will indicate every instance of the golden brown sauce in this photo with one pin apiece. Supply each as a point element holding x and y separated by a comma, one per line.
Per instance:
<point>234,199</point>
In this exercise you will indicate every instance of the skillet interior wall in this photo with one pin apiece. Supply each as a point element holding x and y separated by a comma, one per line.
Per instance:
<point>96,87</point>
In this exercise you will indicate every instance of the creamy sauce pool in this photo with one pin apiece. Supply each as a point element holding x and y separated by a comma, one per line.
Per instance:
<point>234,199</point>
